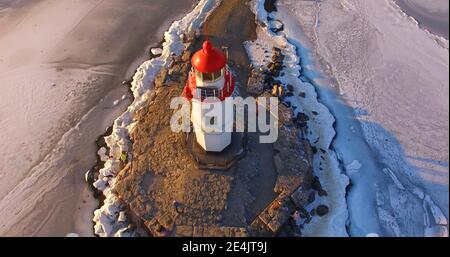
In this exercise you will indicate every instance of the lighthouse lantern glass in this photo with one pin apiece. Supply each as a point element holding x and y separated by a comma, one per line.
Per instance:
<point>209,77</point>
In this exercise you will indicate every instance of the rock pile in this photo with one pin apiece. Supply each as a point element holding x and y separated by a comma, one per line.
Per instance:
<point>265,79</point>
<point>293,160</point>
<point>295,184</point>
<point>275,66</point>
<point>293,154</point>
<point>256,83</point>
<point>111,219</point>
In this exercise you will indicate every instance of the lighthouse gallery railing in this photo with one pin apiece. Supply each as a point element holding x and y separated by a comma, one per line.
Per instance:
<point>205,92</point>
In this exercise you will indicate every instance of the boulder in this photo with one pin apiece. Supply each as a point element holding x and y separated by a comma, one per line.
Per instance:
<point>100,184</point>
<point>322,210</point>
<point>278,91</point>
<point>122,217</point>
<point>255,84</point>
<point>102,154</point>
<point>299,198</point>
<point>323,193</point>
<point>290,87</point>
<point>276,26</point>
<point>311,197</point>
<point>284,115</point>
<point>278,58</point>
<point>161,78</point>
<point>302,117</point>
<point>123,232</point>
<point>269,6</point>
<point>316,184</point>
<point>156,51</point>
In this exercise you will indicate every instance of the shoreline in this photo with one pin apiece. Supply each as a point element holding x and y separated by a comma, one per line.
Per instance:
<point>320,125</point>
<point>144,187</point>
<point>92,174</point>
<point>82,78</point>
<point>361,144</point>
<point>436,22</point>
<point>119,140</point>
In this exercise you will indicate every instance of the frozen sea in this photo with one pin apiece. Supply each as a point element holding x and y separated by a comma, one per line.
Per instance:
<point>384,76</point>
<point>380,69</point>
<point>61,67</point>
<point>430,14</point>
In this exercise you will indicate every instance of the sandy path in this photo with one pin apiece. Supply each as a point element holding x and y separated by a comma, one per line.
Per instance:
<point>222,32</point>
<point>61,64</point>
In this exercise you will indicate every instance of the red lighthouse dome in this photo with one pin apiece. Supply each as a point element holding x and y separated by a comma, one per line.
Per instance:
<point>209,59</point>
<point>210,76</point>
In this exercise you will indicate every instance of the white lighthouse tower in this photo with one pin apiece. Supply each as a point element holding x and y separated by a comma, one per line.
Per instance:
<point>209,84</point>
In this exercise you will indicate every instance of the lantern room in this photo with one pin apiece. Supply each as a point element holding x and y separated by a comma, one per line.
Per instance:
<point>209,67</point>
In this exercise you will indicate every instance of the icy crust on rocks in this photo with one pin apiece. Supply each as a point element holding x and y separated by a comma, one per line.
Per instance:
<point>321,132</point>
<point>111,219</point>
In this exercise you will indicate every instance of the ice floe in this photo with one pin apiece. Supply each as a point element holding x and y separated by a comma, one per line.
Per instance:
<point>354,166</point>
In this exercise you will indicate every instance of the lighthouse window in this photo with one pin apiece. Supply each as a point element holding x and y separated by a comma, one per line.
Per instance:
<point>209,76</point>
<point>217,74</point>
<point>209,92</point>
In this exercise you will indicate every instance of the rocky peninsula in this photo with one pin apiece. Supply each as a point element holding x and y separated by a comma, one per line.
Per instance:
<point>262,194</point>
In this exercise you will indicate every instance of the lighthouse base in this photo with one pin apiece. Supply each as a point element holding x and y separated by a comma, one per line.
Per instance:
<point>217,160</point>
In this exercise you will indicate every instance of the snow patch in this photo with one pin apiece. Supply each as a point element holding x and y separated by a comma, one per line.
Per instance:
<point>156,51</point>
<point>102,154</point>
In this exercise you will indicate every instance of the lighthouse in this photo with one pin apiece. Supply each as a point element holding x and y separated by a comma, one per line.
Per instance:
<point>209,84</point>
